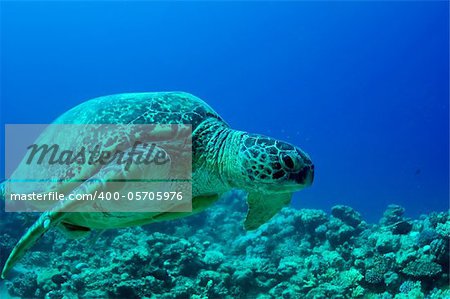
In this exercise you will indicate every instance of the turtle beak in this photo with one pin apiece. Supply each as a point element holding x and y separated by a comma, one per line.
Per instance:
<point>310,175</point>
<point>304,177</point>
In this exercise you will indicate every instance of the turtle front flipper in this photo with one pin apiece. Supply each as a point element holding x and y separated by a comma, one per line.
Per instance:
<point>46,221</point>
<point>2,191</point>
<point>98,182</point>
<point>262,207</point>
<point>40,227</point>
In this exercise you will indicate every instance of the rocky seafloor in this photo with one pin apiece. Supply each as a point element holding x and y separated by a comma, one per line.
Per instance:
<point>298,254</point>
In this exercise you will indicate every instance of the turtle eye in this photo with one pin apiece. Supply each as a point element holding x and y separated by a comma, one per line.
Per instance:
<point>287,161</point>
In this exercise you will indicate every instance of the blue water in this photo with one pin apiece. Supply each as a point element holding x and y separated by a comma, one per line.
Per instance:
<point>361,86</point>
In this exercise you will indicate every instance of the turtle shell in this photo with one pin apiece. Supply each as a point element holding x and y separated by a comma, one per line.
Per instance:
<point>122,109</point>
<point>141,108</point>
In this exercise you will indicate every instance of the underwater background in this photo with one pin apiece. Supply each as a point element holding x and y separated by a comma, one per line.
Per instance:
<point>360,86</point>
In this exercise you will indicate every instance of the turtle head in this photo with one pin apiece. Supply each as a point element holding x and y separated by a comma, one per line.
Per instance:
<point>274,166</point>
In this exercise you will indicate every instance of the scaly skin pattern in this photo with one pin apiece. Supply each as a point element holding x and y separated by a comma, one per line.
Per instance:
<point>271,162</point>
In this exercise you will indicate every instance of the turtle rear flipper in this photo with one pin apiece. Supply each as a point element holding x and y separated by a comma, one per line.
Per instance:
<point>73,231</point>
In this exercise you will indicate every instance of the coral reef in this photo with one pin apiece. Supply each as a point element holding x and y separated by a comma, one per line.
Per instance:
<point>298,254</point>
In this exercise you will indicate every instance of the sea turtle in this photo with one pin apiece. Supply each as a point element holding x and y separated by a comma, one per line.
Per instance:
<point>222,159</point>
